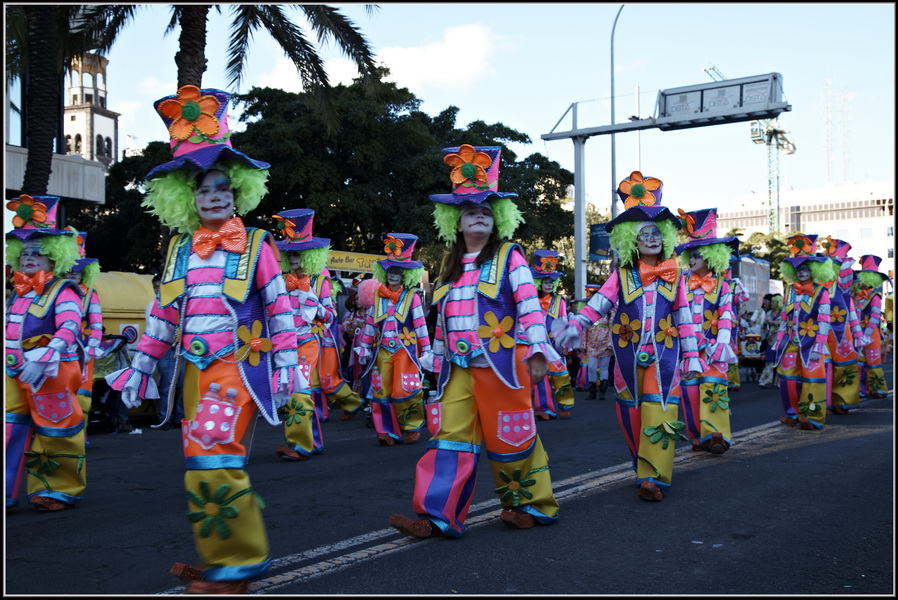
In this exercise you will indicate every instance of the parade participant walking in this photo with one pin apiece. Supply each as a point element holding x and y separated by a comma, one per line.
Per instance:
<point>774,310</point>
<point>301,255</point>
<point>486,299</point>
<point>553,396</point>
<point>394,343</point>
<point>652,333</point>
<point>222,289</point>
<point>706,401</point>
<point>868,301</point>
<point>801,339</point>
<point>44,361</point>
<point>845,338</point>
<point>353,324</point>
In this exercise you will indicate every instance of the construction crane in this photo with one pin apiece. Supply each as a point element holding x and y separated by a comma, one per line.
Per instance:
<point>769,132</point>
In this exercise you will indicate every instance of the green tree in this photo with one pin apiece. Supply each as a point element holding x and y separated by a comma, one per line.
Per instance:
<point>326,22</point>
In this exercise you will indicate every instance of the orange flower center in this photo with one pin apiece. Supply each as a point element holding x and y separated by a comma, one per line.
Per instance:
<point>497,331</point>
<point>255,344</point>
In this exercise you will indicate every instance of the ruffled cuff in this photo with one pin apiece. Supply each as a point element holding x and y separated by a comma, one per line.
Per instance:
<point>718,352</point>
<point>93,349</point>
<point>46,354</point>
<point>820,348</point>
<point>283,382</point>
<point>696,365</point>
<point>132,379</point>
<point>543,348</point>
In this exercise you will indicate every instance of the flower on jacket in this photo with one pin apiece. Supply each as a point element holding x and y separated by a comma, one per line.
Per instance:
<point>639,190</point>
<point>837,314</point>
<point>27,211</point>
<point>667,332</point>
<point>408,337</point>
<point>393,246</point>
<point>626,330</point>
<point>711,319</point>
<point>286,226</point>
<point>808,328</point>
<point>469,165</point>
<point>496,330</point>
<point>190,111</point>
<point>253,344</point>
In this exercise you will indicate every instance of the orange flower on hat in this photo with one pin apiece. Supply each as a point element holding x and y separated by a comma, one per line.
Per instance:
<point>687,220</point>
<point>547,264</point>
<point>638,190</point>
<point>468,165</point>
<point>190,111</point>
<point>393,246</point>
<point>286,226</point>
<point>801,245</point>
<point>828,245</point>
<point>27,211</point>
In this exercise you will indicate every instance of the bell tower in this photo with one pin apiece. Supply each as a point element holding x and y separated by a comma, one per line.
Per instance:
<point>91,129</point>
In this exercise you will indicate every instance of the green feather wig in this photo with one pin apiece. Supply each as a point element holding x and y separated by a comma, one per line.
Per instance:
<point>313,262</point>
<point>506,218</point>
<point>821,272</point>
<point>89,274</point>
<point>716,256</point>
<point>623,239</point>
<point>869,280</point>
<point>538,282</point>
<point>410,277</point>
<point>62,250</point>
<point>171,198</point>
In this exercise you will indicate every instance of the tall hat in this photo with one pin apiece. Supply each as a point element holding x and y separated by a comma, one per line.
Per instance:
<point>296,227</point>
<point>197,122</point>
<point>869,263</point>
<point>35,216</point>
<point>590,289</point>
<point>475,175</point>
<point>834,248</point>
<point>701,227</point>
<point>802,248</point>
<point>398,248</point>
<point>545,263</point>
<point>84,260</point>
<point>642,200</point>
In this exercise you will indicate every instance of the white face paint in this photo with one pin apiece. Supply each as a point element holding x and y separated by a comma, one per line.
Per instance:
<point>546,285</point>
<point>649,240</point>
<point>697,264</point>
<point>803,273</point>
<point>394,276</point>
<point>73,276</point>
<point>294,259</point>
<point>476,219</point>
<point>214,200</point>
<point>31,260</point>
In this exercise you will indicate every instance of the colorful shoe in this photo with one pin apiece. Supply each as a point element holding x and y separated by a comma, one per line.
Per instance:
<point>805,424</point>
<point>789,421</point>
<point>45,504</point>
<point>716,445</point>
<point>384,439</point>
<point>186,572</point>
<point>289,454</point>
<point>410,437</point>
<point>419,528</point>
<point>517,519</point>
<point>237,586</point>
<point>649,491</point>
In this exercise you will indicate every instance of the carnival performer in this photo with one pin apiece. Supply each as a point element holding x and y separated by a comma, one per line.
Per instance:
<point>44,361</point>
<point>652,333</point>
<point>846,338</point>
<point>553,396</point>
<point>773,313</point>
<point>801,340</point>
<point>84,274</point>
<point>301,255</point>
<point>486,300</point>
<point>394,342</point>
<point>740,295</point>
<point>223,291</point>
<point>868,301</point>
<point>353,324</point>
<point>706,400</point>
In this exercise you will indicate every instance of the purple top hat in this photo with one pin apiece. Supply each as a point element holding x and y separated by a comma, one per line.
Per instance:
<point>197,121</point>
<point>835,249</point>
<point>803,248</point>
<point>35,216</point>
<point>474,175</point>
<point>869,263</point>
<point>398,248</point>
<point>296,227</point>
<point>544,265</point>
<point>701,227</point>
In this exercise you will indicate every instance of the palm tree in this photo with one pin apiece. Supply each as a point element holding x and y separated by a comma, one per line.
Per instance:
<point>326,22</point>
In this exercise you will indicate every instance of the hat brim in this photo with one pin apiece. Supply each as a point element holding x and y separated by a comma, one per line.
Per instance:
<point>81,263</point>
<point>732,241</point>
<point>654,213</point>
<point>553,275</point>
<point>796,261</point>
<point>27,234</point>
<point>204,159</point>
<point>478,198</point>
<point>409,264</point>
<point>291,246</point>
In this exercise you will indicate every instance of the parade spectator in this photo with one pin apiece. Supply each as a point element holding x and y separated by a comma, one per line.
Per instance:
<point>171,384</point>
<point>774,308</point>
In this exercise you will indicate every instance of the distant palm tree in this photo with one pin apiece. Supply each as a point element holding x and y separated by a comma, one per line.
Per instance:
<point>326,22</point>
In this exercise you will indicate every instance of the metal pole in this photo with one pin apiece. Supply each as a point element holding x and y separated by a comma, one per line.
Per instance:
<point>638,135</point>
<point>613,157</point>
<point>580,233</point>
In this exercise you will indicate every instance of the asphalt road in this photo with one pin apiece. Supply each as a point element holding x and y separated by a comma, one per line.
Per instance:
<point>783,512</point>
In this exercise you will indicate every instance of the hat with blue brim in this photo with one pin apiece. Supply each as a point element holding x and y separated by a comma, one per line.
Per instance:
<point>544,265</point>
<point>35,216</point>
<point>803,248</point>
<point>701,227</point>
<point>296,227</point>
<point>398,248</point>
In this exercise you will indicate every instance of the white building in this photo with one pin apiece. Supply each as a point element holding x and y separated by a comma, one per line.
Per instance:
<point>862,214</point>
<point>91,129</point>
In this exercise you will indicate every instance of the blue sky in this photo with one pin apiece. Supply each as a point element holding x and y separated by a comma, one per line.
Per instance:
<point>524,64</point>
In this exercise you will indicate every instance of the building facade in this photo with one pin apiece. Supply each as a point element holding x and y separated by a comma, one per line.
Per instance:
<point>862,214</point>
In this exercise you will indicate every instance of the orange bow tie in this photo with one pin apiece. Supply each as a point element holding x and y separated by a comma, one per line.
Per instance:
<point>231,237</point>
<point>293,282</point>
<point>862,294</point>
<point>25,284</point>
<point>804,288</point>
<point>707,282</point>
<point>667,271</point>
<point>545,302</point>
<point>384,292</point>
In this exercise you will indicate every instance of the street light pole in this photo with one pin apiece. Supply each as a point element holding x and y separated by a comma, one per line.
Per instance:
<point>613,157</point>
